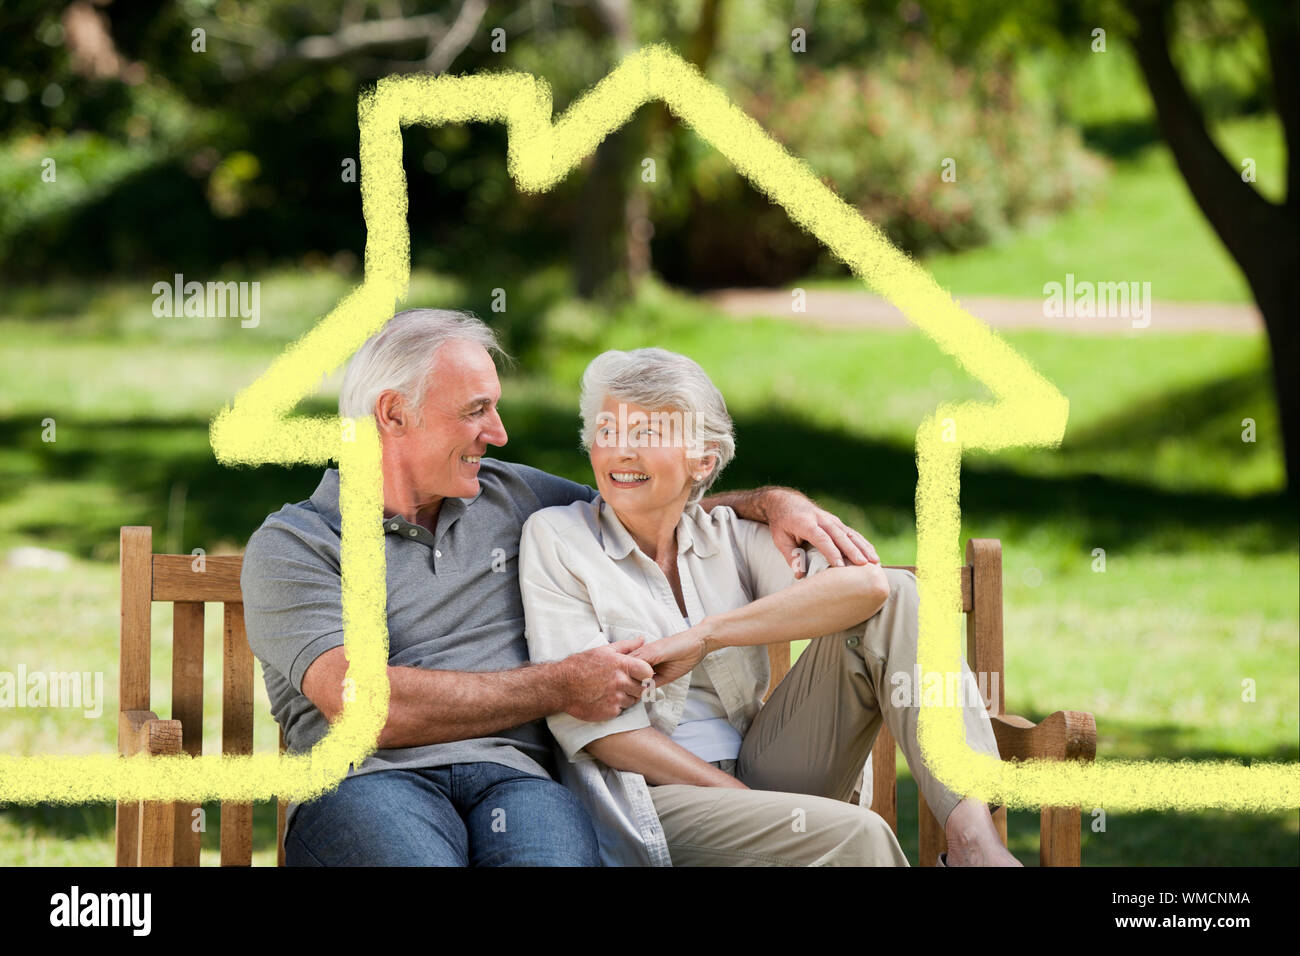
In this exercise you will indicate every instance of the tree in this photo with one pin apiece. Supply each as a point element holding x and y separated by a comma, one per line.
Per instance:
<point>1260,235</point>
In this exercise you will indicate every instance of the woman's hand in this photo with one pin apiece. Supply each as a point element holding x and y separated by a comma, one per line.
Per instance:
<point>674,656</point>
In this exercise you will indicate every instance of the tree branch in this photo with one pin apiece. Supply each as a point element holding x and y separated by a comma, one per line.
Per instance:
<point>455,40</point>
<point>1242,217</point>
<point>367,35</point>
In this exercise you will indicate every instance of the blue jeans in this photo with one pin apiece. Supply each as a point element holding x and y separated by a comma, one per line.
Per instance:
<point>469,814</point>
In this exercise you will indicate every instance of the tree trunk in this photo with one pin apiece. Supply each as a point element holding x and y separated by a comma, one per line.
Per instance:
<point>1278,297</point>
<point>1260,235</point>
<point>606,236</point>
<point>606,242</point>
<point>614,229</point>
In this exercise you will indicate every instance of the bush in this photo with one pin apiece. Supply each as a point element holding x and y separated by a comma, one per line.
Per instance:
<point>880,137</point>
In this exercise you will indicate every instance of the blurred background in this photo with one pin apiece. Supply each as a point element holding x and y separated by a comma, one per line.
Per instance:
<point>1151,562</point>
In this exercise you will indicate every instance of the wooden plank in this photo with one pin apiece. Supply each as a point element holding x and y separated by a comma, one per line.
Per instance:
<point>141,732</point>
<point>931,839</point>
<point>1059,841</point>
<point>133,648</point>
<point>157,817</point>
<point>133,664</point>
<point>884,778</point>
<point>236,732</point>
<point>187,707</point>
<point>964,580</point>
<point>127,822</point>
<point>778,659</point>
<point>175,578</point>
<point>1064,735</point>
<point>157,833</point>
<point>984,619</point>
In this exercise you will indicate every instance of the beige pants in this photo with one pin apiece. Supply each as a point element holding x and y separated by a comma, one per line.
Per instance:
<point>804,753</point>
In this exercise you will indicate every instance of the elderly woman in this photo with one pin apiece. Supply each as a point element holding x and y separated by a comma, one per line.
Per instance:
<point>698,771</point>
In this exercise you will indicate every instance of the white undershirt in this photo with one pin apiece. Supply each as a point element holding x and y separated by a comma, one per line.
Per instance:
<point>704,729</point>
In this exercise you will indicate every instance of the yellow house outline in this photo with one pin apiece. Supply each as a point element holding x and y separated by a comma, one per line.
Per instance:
<point>256,429</point>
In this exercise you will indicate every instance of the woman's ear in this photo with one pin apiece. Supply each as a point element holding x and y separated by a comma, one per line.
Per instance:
<point>705,466</point>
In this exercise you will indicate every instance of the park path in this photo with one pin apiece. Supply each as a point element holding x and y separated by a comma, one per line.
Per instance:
<point>850,308</point>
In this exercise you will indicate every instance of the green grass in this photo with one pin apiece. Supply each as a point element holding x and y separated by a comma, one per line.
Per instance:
<point>1143,227</point>
<point>1198,593</point>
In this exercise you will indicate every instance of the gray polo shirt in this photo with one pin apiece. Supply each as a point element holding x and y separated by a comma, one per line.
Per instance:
<point>453,604</point>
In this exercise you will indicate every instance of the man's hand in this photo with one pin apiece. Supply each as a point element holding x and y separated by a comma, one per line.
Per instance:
<point>793,519</point>
<point>674,656</point>
<point>604,681</point>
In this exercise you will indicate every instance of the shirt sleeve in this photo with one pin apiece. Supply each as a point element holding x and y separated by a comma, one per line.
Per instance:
<point>293,602</point>
<point>769,570</point>
<point>559,621</point>
<point>552,490</point>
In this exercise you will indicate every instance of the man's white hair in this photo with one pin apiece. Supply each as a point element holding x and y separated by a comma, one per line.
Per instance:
<point>401,354</point>
<point>657,379</point>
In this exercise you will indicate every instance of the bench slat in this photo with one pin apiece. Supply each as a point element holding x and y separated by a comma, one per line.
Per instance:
<point>133,664</point>
<point>175,579</point>
<point>187,707</point>
<point>236,732</point>
<point>884,777</point>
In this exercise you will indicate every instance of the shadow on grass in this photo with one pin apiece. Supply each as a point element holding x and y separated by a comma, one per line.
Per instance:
<point>111,474</point>
<point>1121,139</point>
<point>1206,414</point>
<point>1148,837</point>
<point>1142,838</point>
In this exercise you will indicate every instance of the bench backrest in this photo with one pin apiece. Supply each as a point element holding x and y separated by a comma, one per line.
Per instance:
<point>187,582</point>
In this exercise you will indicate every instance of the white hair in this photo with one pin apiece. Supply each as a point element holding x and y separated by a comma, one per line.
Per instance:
<point>401,354</point>
<point>657,379</point>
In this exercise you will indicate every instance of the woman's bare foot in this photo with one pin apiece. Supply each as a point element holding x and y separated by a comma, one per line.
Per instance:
<point>973,839</point>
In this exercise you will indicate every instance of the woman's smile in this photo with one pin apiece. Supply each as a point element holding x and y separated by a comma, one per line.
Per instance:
<point>628,479</point>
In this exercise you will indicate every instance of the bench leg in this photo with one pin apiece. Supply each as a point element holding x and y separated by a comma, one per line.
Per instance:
<point>1058,843</point>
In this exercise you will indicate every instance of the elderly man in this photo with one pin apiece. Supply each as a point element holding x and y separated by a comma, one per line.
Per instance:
<point>463,773</point>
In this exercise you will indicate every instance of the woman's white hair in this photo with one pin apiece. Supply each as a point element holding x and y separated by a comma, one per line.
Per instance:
<point>400,355</point>
<point>657,379</point>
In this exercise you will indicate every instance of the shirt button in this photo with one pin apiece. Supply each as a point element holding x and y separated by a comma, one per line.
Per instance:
<point>392,527</point>
<point>437,554</point>
<point>852,642</point>
<point>412,532</point>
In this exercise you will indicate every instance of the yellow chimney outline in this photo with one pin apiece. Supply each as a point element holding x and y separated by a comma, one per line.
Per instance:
<point>257,429</point>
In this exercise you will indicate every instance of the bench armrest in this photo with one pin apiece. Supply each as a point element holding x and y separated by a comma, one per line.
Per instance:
<point>1064,735</point>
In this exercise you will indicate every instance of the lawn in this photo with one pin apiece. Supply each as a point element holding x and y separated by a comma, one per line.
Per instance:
<point>1144,226</point>
<point>1199,590</point>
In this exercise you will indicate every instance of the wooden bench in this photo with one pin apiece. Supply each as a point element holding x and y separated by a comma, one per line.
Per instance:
<point>150,833</point>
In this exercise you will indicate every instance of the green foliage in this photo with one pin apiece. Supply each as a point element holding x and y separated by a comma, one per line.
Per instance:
<point>883,137</point>
<point>1142,223</point>
<point>234,152</point>
<point>44,179</point>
